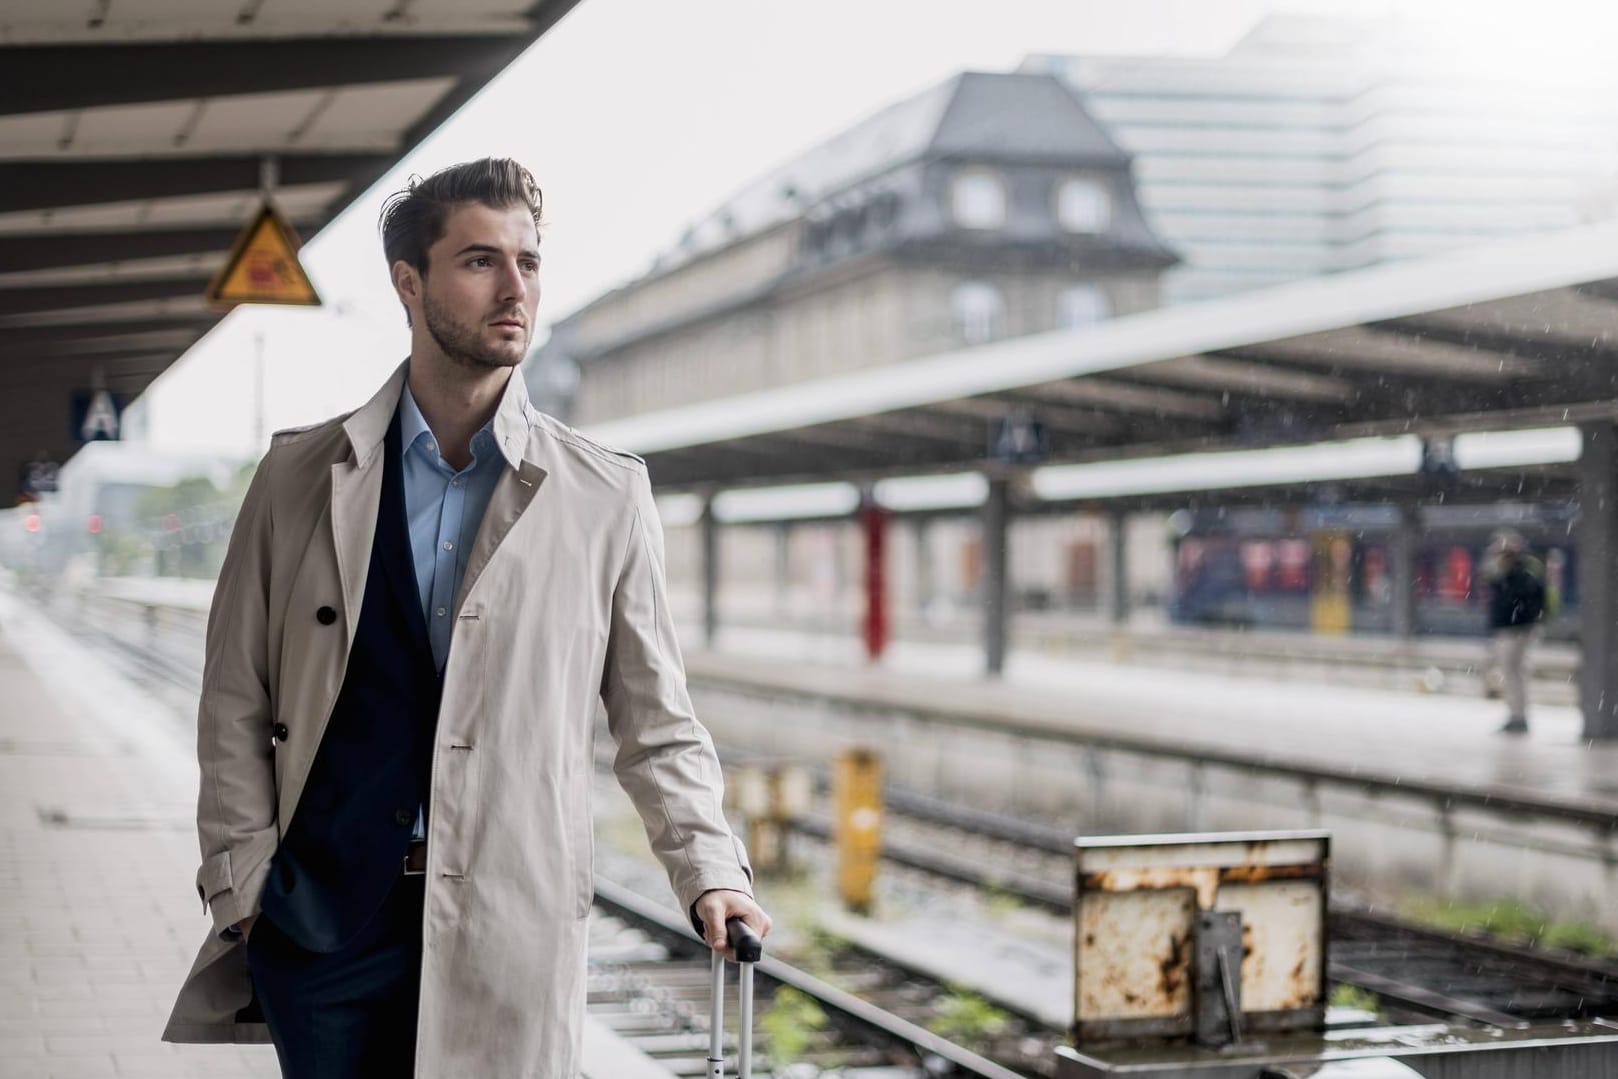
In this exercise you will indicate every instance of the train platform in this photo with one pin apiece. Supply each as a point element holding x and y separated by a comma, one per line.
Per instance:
<point>98,919</point>
<point>97,800</point>
<point>1429,663</point>
<point>1402,737</point>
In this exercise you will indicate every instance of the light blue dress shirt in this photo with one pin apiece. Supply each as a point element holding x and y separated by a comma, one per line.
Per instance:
<point>444,509</point>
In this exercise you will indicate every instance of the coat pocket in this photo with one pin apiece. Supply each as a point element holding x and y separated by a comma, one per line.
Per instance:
<point>213,878</point>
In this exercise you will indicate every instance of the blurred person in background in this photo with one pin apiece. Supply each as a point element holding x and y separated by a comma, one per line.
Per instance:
<point>1516,605</point>
<point>422,605</point>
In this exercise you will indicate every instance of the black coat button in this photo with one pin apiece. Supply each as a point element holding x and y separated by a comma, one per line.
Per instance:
<point>281,732</point>
<point>326,616</point>
<point>403,817</point>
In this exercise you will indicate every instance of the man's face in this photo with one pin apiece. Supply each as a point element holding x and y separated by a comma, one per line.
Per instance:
<point>478,298</point>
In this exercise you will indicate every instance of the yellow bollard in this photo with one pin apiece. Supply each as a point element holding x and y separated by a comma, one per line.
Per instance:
<point>857,793</point>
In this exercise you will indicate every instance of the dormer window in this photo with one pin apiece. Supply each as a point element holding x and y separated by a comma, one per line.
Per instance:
<point>1084,205</point>
<point>977,199</point>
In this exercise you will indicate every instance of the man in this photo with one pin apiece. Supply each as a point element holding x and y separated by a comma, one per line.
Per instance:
<point>1516,604</point>
<point>421,605</point>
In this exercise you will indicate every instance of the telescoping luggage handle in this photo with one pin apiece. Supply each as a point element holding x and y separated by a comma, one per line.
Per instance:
<point>749,950</point>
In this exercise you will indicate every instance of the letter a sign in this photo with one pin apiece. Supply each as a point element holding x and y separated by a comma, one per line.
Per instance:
<point>263,266</point>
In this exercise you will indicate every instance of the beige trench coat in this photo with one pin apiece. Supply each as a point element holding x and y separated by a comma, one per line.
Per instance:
<point>563,604</point>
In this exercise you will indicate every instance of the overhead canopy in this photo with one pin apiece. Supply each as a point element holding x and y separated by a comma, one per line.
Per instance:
<point>1517,334</point>
<point>131,139</point>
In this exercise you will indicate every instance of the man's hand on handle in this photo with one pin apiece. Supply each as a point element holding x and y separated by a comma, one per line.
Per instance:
<point>715,908</point>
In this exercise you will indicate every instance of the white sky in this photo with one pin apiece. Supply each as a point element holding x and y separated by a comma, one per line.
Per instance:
<point>638,117</point>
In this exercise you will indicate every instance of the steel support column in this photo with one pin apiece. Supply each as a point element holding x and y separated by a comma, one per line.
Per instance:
<point>1402,570</point>
<point>783,568</point>
<point>874,532</point>
<point>710,573</point>
<point>1598,579</point>
<point>922,535</point>
<point>996,525</point>
<point>1118,567</point>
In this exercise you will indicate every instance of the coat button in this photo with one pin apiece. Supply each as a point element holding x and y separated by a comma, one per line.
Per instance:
<point>403,817</point>
<point>326,616</point>
<point>281,732</point>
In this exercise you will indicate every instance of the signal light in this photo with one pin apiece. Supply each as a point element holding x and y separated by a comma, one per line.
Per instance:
<point>30,523</point>
<point>94,524</point>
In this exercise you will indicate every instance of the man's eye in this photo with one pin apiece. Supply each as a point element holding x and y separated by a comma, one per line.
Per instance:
<point>479,261</point>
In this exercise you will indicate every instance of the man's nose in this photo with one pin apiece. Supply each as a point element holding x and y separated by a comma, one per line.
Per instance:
<point>513,285</point>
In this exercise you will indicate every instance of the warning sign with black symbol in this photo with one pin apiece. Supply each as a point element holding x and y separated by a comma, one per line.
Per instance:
<point>263,266</point>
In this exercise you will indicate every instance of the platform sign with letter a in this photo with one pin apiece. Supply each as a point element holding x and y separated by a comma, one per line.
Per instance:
<point>263,266</point>
<point>97,416</point>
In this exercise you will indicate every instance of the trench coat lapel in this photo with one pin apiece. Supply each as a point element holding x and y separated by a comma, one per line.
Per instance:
<point>512,493</point>
<point>356,493</point>
<point>516,487</point>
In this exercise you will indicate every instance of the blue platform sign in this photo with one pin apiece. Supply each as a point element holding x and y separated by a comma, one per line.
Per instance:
<point>1019,439</point>
<point>97,416</point>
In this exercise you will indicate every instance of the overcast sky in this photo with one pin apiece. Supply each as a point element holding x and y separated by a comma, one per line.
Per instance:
<point>638,117</point>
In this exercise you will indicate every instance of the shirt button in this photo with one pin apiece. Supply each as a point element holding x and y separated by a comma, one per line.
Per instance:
<point>403,817</point>
<point>448,546</point>
<point>454,483</point>
<point>441,612</point>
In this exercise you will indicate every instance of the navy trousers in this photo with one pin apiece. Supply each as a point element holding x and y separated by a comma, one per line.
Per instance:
<point>348,1014</point>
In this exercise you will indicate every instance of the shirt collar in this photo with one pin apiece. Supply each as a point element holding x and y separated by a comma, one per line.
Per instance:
<point>412,425</point>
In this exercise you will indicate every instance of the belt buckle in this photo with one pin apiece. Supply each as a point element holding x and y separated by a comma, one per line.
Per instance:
<point>414,846</point>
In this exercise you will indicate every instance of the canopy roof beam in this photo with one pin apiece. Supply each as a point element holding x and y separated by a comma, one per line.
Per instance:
<point>53,185</point>
<point>55,250</point>
<point>54,78</point>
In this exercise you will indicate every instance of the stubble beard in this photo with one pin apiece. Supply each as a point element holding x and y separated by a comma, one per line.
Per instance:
<point>459,342</point>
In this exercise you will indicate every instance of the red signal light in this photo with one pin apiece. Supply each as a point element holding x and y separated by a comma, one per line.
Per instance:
<point>94,524</point>
<point>30,523</point>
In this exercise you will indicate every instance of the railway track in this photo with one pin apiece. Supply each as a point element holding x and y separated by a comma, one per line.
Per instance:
<point>852,1014</point>
<point>1416,973</point>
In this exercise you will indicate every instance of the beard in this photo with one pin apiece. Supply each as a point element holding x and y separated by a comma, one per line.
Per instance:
<point>462,342</point>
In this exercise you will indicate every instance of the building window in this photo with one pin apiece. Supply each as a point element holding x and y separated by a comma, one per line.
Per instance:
<point>977,199</point>
<point>1083,205</point>
<point>1081,305</point>
<point>978,310</point>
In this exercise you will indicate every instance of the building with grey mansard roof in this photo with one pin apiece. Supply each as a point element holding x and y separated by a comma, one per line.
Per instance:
<point>989,205</point>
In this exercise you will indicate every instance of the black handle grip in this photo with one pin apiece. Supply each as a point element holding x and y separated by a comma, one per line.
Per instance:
<point>748,945</point>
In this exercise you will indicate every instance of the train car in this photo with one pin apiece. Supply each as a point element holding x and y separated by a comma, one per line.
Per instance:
<point>1330,569</point>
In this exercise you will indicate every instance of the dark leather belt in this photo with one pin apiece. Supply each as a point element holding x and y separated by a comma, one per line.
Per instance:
<point>415,859</point>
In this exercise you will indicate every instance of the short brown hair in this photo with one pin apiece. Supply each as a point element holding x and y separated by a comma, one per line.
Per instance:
<point>413,219</point>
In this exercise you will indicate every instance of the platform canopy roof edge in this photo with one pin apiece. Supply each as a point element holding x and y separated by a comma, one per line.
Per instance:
<point>1514,334</point>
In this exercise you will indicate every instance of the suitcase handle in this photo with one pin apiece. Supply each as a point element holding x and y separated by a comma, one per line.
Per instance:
<point>747,944</point>
<point>749,949</point>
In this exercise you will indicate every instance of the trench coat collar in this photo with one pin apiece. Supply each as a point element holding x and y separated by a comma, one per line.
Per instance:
<point>368,425</point>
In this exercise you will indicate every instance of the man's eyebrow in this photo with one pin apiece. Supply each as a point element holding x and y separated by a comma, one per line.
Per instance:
<point>490,249</point>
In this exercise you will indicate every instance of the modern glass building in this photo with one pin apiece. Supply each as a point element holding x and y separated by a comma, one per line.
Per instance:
<point>1316,145</point>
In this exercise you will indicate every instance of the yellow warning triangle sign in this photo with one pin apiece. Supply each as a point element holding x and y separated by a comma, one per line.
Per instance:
<point>263,266</point>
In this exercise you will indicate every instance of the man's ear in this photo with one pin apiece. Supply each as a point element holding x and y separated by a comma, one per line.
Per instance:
<point>406,282</point>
